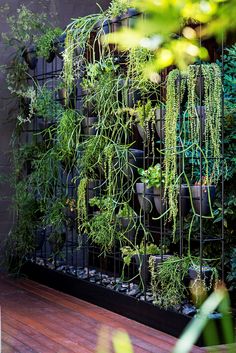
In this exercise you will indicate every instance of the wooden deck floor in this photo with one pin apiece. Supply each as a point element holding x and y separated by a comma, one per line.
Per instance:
<point>37,319</point>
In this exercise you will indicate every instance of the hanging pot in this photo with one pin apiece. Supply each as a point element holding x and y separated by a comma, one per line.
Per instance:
<point>201,194</point>
<point>158,200</point>
<point>185,204</point>
<point>145,197</point>
<point>59,45</point>
<point>128,227</point>
<point>88,125</point>
<point>64,99</point>
<point>160,123</point>
<point>29,54</point>
<point>129,19</point>
<point>115,23</point>
<point>104,27</point>
<point>51,56</point>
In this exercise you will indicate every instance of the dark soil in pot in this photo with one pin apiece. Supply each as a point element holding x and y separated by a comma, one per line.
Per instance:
<point>29,54</point>
<point>201,195</point>
<point>145,197</point>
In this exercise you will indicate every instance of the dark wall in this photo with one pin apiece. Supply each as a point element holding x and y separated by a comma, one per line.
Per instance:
<point>60,12</point>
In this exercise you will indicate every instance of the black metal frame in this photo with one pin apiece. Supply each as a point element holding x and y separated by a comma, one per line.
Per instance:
<point>62,274</point>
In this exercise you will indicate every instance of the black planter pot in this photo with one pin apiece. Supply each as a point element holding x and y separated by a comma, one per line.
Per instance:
<point>115,23</point>
<point>88,125</point>
<point>145,197</point>
<point>142,262</point>
<point>51,56</point>
<point>135,157</point>
<point>201,194</point>
<point>206,275</point>
<point>64,99</point>
<point>160,123</point>
<point>158,200</point>
<point>133,97</point>
<point>104,27</point>
<point>128,227</point>
<point>129,18</point>
<point>94,188</point>
<point>29,54</point>
<point>185,204</point>
<point>59,45</point>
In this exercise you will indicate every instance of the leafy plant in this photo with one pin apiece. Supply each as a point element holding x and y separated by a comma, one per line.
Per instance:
<point>45,42</point>
<point>25,27</point>
<point>117,8</point>
<point>231,277</point>
<point>45,106</point>
<point>152,176</point>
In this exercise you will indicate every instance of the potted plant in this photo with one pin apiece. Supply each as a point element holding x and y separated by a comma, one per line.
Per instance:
<point>25,29</point>
<point>45,46</point>
<point>150,188</point>
<point>141,254</point>
<point>114,12</point>
<point>203,195</point>
<point>59,45</point>
<point>127,220</point>
<point>95,188</point>
<point>129,18</point>
<point>145,116</point>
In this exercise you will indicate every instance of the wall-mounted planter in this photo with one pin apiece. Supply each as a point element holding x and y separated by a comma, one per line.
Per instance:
<point>160,123</point>
<point>51,56</point>
<point>30,56</point>
<point>128,226</point>
<point>135,158</point>
<point>59,45</point>
<point>64,99</point>
<point>203,195</point>
<point>145,197</point>
<point>185,200</point>
<point>158,200</point>
<point>94,188</point>
<point>103,27</point>
<point>205,275</point>
<point>88,125</point>
<point>115,23</point>
<point>129,18</point>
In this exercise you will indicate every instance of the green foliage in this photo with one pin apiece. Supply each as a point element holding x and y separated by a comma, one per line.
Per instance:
<point>144,248</point>
<point>126,211</point>
<point>68,68</point>
<point>25,27</point>
<point>152,176</point>
<point>45,42</point>
<point>117,8</point>
<point>45,106</point>
<point>167,283</point>
<point>231,277</point>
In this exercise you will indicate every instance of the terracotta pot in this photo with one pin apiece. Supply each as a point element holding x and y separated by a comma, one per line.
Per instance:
<point>145,197</point>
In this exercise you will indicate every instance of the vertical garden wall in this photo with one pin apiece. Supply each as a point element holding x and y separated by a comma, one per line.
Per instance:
<point>123,184</point>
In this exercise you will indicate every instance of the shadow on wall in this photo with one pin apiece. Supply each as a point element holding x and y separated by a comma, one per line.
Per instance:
<point>60,12</point>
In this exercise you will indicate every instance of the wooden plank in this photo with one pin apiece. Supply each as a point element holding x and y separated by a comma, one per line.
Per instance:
<point>49,322</point>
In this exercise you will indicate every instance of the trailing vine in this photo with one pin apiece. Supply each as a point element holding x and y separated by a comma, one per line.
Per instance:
<point>175,92</point>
